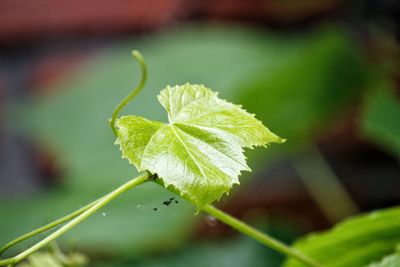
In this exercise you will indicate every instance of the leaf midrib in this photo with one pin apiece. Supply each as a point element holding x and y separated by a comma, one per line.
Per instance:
<point>188,151</point>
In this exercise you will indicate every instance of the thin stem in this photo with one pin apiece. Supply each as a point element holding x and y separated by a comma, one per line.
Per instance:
<point>259,236</point>
<point>46,227</point>
<point>324,186</point>
<point>136,54</point>
<point>98,205</point>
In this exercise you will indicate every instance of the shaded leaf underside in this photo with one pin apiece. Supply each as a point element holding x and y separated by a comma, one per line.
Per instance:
<point>200,151</point>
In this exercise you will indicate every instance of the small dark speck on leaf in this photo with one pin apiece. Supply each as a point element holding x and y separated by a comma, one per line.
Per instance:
<point>170,201</point>
<point>155,209</point>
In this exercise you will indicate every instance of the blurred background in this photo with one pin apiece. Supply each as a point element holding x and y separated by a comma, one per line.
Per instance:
<point>322,73</point>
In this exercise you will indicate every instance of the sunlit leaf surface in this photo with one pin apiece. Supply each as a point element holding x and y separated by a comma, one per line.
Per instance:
<point>199,152</point>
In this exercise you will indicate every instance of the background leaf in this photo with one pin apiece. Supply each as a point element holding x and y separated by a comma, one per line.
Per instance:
<point>355,242</point>
<point>388,261</point>
<point>381,120</point>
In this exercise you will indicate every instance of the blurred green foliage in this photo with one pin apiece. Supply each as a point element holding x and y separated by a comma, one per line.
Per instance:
<point>296,84</point>
<point>302,90</point>
<point>229,253</point>
<point>381,119</point>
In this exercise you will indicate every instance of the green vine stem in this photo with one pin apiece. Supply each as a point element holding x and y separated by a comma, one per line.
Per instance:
<point>136,54</point>
<point>140,179</point>
<point>83,213</point>
<point>46,227</point>
<point>259,236</point>
<point>246,229</point>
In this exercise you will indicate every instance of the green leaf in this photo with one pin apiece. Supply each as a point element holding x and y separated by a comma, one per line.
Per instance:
<point>389,261</point>
<point>355,242</point>
<point>199,152</point>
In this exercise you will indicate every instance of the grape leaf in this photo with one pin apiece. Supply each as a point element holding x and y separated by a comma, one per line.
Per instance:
<point>356,242</point>
<point>389,261</point>
<point>200,151</point>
